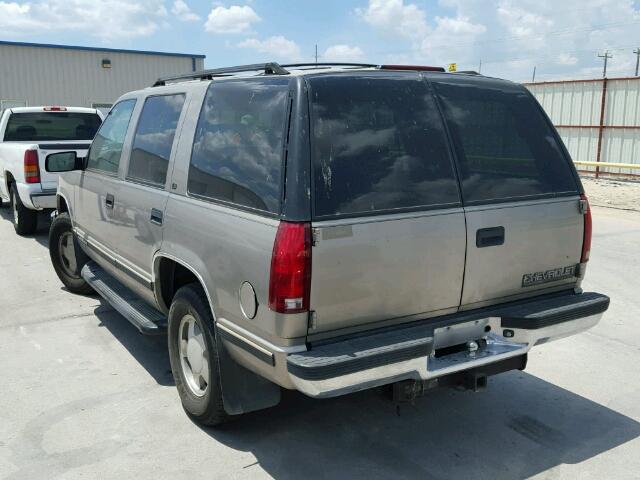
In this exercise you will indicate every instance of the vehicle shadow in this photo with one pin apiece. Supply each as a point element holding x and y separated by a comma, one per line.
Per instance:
<point>44,222</point>
<point>150,351</point>
<point>519,427</point>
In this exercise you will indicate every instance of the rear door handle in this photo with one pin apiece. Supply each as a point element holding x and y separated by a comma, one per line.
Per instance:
<point>109,200</point>
<point>156,216</point>
<point>489,237</point>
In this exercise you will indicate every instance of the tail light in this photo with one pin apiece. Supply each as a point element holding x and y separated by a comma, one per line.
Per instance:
<point>586,239</point>
<point>55,109</point>
<point>31,168</point>
<point>290,279</point>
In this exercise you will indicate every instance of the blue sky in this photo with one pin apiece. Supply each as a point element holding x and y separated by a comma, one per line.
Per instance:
<point>510,37</point>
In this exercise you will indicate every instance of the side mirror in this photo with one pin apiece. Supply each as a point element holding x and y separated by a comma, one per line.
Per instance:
<point>63,162</point>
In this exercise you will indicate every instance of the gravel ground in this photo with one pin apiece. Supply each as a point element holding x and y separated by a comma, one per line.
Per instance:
<point>623,194</point>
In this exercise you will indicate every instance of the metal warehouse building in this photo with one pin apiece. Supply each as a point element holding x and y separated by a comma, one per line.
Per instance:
<point>34,74</point>
<point>598,120</point>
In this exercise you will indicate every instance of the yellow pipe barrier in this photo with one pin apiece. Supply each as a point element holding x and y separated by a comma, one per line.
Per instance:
<point>633,166</point>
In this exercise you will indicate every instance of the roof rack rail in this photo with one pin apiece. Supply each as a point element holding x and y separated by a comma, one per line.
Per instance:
<point>469,72</point>
<point>270,68</point>
<point>330,64</point>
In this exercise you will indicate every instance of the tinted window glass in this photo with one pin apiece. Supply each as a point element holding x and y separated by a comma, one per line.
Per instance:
<point>154,138</point>
<point>237,151</point>
<point>51,126</point>
<point>378,144</point>
<point>107,146</point>
<point>505,147</point>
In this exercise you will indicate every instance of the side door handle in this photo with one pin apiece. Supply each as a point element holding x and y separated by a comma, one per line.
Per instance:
<point>156,216</point>
<point>489,237</point>
<point>109,200</point>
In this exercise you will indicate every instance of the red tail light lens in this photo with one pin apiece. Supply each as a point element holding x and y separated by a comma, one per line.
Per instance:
<point>586,240</point>
<point>31,168</point>
<point>290,280</point>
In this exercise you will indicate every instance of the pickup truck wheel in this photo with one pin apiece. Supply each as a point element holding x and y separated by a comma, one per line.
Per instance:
<point>66,256</point>
<point>194,357</point>
<point>25,221</point>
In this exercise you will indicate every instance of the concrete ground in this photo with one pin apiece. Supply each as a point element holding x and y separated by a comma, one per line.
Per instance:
<point>84,395</point>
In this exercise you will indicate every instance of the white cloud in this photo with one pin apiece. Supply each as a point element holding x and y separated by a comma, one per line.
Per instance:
<point>95,18</point>
<point>235,19</point>
<point>510,36</point>
<point>342,53</point>
<point>567,59</point>
<point>395,16</point>
<point>182,11</point>
<point>277,47</point>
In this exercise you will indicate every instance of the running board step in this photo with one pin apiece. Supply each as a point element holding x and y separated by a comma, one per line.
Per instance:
<point>144,317</point>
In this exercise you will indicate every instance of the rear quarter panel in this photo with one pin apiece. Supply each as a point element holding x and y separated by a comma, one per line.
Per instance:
<point>227,247</point>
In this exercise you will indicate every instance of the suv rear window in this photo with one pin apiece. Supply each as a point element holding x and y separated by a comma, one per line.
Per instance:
<point>505,147</point>
<point>51,126</point>
<point>238,145</point>
<point>378,145</point>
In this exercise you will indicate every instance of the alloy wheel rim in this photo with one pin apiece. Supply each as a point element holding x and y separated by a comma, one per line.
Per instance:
<point>194,355</point>
<point>67,254</point>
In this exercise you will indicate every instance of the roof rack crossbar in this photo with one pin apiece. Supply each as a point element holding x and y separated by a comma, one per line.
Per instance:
<point>270,68</point>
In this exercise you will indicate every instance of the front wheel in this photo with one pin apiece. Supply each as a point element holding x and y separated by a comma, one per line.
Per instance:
<point>25,221</point>
<point>194,356</point>
<point>67,257</point>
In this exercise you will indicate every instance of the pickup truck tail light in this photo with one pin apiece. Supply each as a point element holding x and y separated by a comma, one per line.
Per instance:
<point>290,278</point>
<point>586,239</point>
<point>31,168</point>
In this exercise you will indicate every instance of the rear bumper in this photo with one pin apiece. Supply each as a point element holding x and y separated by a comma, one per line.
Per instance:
<point>427,351</point>
<point>34,197</point>
<point>44,200</point>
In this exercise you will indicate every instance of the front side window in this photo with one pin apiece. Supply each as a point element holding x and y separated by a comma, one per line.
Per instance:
<point>505,147</point>
<point>106,148</point>
<point>238,146</point>
<point>51,126</point>
<point>378,145</point>
<point>154,139</point>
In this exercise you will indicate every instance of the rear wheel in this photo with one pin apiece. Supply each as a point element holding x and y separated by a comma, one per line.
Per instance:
<point>25,221</point>
<point>66,256</point>
<point>194,356</point>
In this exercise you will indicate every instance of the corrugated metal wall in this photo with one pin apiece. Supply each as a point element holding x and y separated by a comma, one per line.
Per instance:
<point>576,108</point>
<point>57,76</point>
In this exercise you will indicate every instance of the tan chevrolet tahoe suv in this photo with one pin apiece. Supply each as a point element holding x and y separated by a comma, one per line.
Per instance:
<point>328,229</point>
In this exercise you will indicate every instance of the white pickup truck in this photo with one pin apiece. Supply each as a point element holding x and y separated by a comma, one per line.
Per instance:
<point>27,136</point>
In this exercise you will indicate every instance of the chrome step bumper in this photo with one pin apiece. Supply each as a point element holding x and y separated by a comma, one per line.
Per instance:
<point>420,352</point>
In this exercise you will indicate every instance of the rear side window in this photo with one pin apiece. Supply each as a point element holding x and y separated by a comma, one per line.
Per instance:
<point>106,148</point>
<point>154,139</point>
<point>378,145</point>
<point>51,126</point>
<point>506,149</point>
<point>238,145</point>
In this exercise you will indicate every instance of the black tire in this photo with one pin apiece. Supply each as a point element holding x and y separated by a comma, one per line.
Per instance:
<point>25,221</point>
<point>206,409</point>
<point>60,233</point>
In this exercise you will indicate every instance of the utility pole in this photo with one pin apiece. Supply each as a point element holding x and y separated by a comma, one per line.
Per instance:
<point>316,55</point>
<point>480,67</point>
<point>637,52</point>
<point>606,57</point>
<point>533,77</point>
